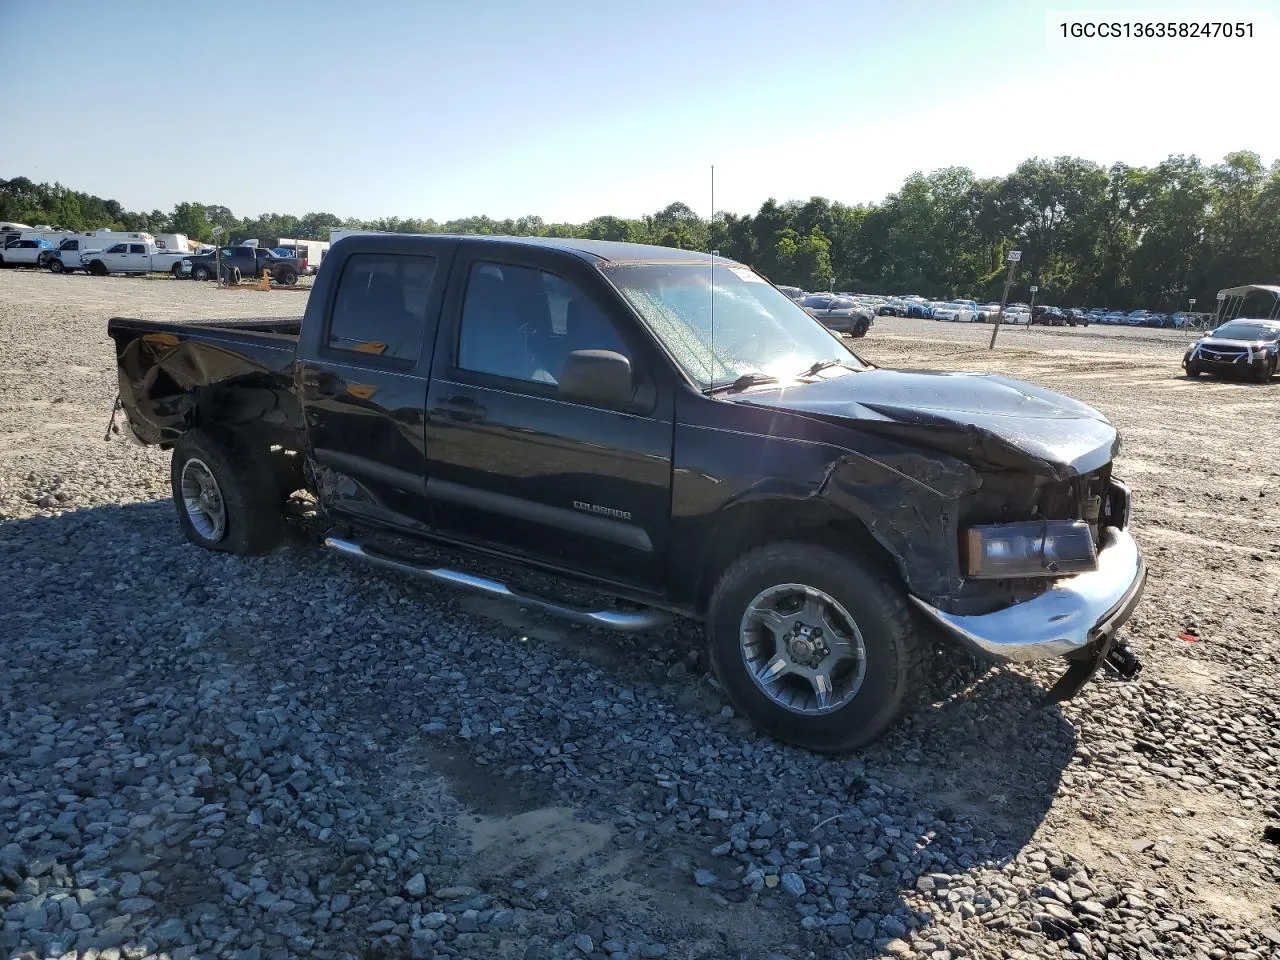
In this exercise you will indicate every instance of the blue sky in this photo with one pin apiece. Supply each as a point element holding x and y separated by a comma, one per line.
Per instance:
<point>570,109</point>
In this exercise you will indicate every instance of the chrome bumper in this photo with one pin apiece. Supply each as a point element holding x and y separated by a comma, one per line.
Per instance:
<point>1074,614</point>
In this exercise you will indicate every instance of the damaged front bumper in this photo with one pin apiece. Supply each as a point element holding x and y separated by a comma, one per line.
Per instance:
<point>1076,618</point>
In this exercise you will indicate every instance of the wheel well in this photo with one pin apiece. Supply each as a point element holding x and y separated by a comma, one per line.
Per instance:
<point>752,525</point>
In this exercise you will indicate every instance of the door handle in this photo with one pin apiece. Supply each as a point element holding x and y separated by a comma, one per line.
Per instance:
<point>461,408</point>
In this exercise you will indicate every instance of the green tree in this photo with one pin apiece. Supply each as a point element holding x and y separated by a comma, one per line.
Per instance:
<point>192,219</point>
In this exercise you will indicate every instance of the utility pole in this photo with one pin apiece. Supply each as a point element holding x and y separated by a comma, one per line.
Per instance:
<point>1013,257</point>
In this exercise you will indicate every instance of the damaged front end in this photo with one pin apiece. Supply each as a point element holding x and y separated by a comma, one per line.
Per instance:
<point>1016,540</point>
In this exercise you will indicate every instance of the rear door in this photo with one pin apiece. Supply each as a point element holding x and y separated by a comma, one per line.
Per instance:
<point>138,260</point>
<point>514,466</point>
<point>368,344</point>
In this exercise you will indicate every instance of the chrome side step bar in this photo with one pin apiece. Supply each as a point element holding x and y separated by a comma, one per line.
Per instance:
<point>623,621</point>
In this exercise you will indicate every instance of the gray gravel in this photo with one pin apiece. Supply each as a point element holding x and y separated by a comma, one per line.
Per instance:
<point>205,756</point>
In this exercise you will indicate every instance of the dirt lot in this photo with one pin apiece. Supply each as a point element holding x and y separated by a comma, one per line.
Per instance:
<point>209,756</point>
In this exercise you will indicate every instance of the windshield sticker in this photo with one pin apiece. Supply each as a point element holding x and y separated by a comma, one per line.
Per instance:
<point>746,274</point>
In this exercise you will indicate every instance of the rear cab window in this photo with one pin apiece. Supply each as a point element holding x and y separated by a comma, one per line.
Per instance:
<point>380,307</point>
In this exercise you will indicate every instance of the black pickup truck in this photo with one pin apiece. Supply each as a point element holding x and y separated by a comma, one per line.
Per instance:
<point>665,432</point>
<point>250,261</point>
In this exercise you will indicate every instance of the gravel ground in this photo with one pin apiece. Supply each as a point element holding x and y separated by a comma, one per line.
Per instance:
<point>207,756</point>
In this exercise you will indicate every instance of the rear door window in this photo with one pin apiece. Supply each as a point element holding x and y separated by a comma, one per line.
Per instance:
<point>137,248</point>
<point>380,308</point>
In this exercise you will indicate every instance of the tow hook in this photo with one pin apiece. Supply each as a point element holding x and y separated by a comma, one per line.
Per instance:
<point>1123,661</point>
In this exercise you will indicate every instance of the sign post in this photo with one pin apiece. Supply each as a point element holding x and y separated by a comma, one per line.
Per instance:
<point>1034,288</point>
<point>1013,257</point>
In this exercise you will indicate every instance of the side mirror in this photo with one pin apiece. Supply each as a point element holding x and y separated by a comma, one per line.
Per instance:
<point>599,377</point>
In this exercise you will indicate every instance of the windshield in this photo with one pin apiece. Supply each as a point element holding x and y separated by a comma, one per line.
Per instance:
<point>1238,330</point>
<point>757,328</point>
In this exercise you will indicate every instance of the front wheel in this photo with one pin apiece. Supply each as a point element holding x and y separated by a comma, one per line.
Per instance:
<point>98,268</point>
<point>1193,371</point>
<point>814,647</point>
<point>56,266</point>
<point>176,271</point>
<point>225,494</point>
<point>200,272</point>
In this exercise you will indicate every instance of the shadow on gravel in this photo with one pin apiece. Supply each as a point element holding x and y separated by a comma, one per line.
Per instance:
<point>604,772</point>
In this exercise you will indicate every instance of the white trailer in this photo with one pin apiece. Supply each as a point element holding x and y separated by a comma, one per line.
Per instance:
<point>173,242</point>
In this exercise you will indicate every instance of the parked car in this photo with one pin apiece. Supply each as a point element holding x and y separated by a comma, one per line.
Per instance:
<point>838,313</point>
<point>955,312</point>
<point>133,257</point>
<point>1019,313</point>
<point>1050,317</point>
<point>1137,318</point>
<point>1076,317</point>
<point>795,293</point>
<point>25,253</point>
<point>252,262</point>
<point>1237,348</point>
<point>574,417</point>
<point>922,309</point>
<point>892,308</point>
<point>1115,317</point>
<point>987,312</point>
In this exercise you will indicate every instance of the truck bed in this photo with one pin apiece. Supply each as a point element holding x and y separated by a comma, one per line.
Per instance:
<point>173,372</point>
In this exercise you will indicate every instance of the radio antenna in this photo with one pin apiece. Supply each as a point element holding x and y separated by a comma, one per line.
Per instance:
<point>714,253</point>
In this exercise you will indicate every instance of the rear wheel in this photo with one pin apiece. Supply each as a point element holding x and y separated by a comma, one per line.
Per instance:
<point>226,495</point>
<point>1267,372</point>
<point>287,277</point>
<point>814,647</point>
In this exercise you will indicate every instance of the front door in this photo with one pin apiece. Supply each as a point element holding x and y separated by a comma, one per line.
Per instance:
<point>115,257</point>
<point>364,388</point>
<point>513,465</point>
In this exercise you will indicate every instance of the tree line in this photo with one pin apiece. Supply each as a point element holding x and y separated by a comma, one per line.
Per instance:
<point>1119,236</point>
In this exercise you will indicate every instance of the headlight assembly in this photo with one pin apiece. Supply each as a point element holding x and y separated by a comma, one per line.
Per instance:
<point>1051,548</point>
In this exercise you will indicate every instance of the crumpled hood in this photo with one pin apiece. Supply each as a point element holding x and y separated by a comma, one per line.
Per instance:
<point>982,419</point>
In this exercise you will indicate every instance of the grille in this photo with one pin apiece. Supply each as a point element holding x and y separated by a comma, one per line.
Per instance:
<point>1223,356</point>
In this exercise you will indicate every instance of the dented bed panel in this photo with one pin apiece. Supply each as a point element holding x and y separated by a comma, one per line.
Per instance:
<point>172,375</point>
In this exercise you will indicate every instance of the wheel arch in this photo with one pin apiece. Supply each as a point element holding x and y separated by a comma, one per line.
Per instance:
<point>752,523</point>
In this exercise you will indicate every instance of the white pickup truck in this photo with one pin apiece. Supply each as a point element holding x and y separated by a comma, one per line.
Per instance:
<point>130,257</point>
<point>25,253</point>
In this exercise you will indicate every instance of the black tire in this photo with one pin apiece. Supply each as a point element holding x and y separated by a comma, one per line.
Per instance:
<point>246,483</point>
<point>176,271</point>
<point>98,268</point>
<point>287,277</point>
<point>860,329</point>
<point>1193,371</point>
<point>56,265</point>
<point>894,661</point>
<point>1267,372</point>
<point>200,272</point>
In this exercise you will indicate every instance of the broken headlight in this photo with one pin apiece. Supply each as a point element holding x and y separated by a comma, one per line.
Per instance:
<point>1036,548</point>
